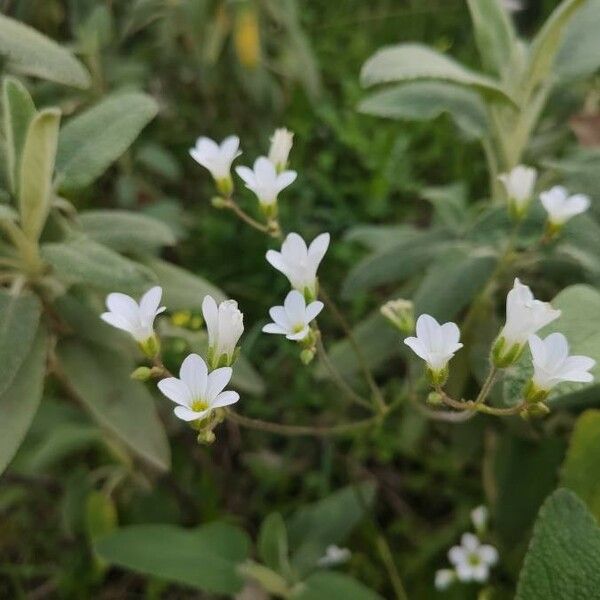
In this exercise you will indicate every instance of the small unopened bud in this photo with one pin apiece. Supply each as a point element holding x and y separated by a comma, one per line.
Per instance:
<point>141,374</point>
<point>206,437</point>
<point>307,355</point>
<point>218,202</point>
<point>537,409</point>
<point>434,399</point>
<point>400,313</point>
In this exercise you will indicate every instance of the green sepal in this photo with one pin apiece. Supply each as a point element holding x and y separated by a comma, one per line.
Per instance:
<point>503,357</point>
<point>225,186</point>
<point>150,347</point>
<point>437,378</point>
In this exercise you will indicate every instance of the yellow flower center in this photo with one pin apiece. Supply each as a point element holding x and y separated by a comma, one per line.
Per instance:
<point>298,328</point>
<point>474,559</point>
<point>199,405</point>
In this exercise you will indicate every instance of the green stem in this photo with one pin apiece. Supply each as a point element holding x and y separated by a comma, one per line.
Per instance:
<point>302,430</point>
<point>362,361</point>
<point>487,386</point>
<point>336,376</point>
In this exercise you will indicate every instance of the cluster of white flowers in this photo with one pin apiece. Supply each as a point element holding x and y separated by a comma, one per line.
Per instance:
<point>519,185</point>
<point>200,387</point>
<point>436,344</point>
<point>266,179</point>
<point>471,560</point>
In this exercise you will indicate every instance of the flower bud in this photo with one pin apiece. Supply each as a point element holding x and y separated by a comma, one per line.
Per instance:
<point>307,355</point>
<point>218,202</point>
<point>141,374</point>
<point>400,313</point>
<point>281,144</point>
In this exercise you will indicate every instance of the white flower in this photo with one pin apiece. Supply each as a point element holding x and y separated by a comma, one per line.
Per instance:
<point>444,578</point>
<point>299,263</point>
<point>552,363</point>
<point>281,144</point>
<point>334,555</point>
<point>293,318</point>
<point>216,158</point>
<point>561,207</point>
<point>264,180</point>
<point>479,518</point>
<point>137,319</point>
<point>225,325</point>
<point>436,344</point>
<point>519,184</point>
<point>524,315</point>
<point>472,559</point>
<point>196,391</point>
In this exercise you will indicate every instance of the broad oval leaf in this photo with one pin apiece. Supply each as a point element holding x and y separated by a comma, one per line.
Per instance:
<point>81,260</point>
<point>580,469</point>
<point>579,54</point>
<point>546,43</point>
<point>126,231</point>
<point>272,544</point>
<point>329,521</point>
<point>36,170</point>
<point>19,110</point>
<point>181,289</point>
<point>19,318</point>
<point>409,62</point>
<point>412,252</point>
<point>205,558</point>
<point>29,52</point>
<point>563,560</point>
<point>91,141</point>
<point>426,100</point>
<point>494,33</point>
<point>101,379</point>
<point>333,585</point>
<point>20,401</point>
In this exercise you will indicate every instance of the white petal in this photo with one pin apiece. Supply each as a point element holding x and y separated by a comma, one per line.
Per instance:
<point>488,554</point>
<point>538,350</point>
<point>185,414</point>
<point>177,391</point>
<point>275,259</point>
<point>274,328</point>
<point>265,170</point>
<point>193,372</point>
<point>210,312</point>
<point>451,334</point>
<point>294,248</point>
<point>230,147</point>
<point>416,345</point>
<point>480,572</point>
<point>318,248</point>
<point>457,555</point>
<point>217,380</point>
<point>280,317</point>
<point>117,321</point>
<point>247,175</point>
<point>469,542</point>
<point>284,179</point>
<point>295,307</point>
<point>225,399</point>
<point>150,301</point>
<point>123,305</point>
<point>313,309</point>
<point>429,332</point>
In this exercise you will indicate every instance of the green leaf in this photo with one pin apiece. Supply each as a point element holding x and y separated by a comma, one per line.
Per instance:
<point>427,100</point>
<point>205,558</point>
<point>19,402</point>
<point>412,252</point>
<point>494,33</point>
<point>409,62</point>
<point>272,543</point>
<point>531,467</point>
<point>328,521</point>
<point>37,168</point>
<point>181,289</point>
<point>580,469</point>
<point>378,237</point>
<point>19,318</point>
<point>126,231</point>
<point>546,44</point>
<point>80,260</point>
<point>29,52</point>
<point>333,585</point>
<point>100,514</point>
<point>90,142</point>
<point>100,377</point>
<point>19,110</point>
<point>579,54</point>
<point>563,561</point>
